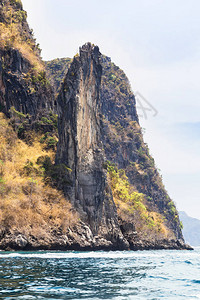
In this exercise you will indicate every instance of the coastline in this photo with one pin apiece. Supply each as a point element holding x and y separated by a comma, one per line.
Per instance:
<point>77,242</point>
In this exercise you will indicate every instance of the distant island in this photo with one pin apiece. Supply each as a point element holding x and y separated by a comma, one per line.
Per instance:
<point>75,173</point>
<point>191,229</point>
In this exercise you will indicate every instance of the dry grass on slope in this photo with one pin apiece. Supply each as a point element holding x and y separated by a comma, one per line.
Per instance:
<point>27,205</point>
<point>12,34</point>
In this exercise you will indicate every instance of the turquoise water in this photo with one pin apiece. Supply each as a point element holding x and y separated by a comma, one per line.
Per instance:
<point>100,275</point>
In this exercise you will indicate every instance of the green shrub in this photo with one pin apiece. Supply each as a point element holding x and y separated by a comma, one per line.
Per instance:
<point>172,208</point>
<point>181,225</point>
<point>55,175</point>
<point>50,119</point>
<point>29,169</point>
<point>17,114</point>
<point>50,142</point>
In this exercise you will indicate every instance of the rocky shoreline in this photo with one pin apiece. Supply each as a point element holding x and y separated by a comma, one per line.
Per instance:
<point>80,238</point>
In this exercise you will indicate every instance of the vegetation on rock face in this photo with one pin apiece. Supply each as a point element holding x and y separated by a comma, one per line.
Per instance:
<point>29,204</point>
<point>133,206</point>
<point>15,33</point>
<point>116,87</point>
<point>46,126</point>
<point>124,145</point>
<point>23,81</point>
<point>57,69</point>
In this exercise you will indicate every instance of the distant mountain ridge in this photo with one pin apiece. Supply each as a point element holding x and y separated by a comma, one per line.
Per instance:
<point>191,229</point>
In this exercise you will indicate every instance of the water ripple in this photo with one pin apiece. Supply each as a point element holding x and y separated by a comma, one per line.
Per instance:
<point>100,275</point>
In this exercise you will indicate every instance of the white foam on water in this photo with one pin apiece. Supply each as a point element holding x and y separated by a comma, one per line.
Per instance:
<point>61,255</point>
<point>98,254</point>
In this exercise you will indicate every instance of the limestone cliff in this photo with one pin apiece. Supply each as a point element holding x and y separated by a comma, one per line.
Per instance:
<point>23,83</point>
<point>124,146</point>
<point>99,129</point>
<point>102,165</point>
<point>57,70</point>
<point>146,215</point>
<point>80,147</point>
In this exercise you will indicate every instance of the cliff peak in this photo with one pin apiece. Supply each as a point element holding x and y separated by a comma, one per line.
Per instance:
<point>88,47</point>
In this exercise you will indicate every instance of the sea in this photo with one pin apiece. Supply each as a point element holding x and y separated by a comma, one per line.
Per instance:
<point>119,275</point>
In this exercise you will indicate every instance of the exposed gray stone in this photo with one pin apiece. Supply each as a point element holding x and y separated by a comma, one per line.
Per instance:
<point>21,241</point>
<point>80,146</point>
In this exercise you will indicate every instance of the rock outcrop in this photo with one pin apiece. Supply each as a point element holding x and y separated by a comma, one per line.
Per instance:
<point>23,82</point>
<point>19,91</point>
<point>124,146</point>
<point>80,147</point>
<point>98,123</point>
<point>102,164</point>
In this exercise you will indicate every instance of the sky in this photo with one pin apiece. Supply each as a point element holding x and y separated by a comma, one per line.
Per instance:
<point>157,44</point>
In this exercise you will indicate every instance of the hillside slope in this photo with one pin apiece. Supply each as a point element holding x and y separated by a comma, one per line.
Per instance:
<point>33,213</point>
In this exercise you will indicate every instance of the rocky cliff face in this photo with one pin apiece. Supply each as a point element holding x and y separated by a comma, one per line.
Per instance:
<point>23,83</point>
<point>99,136</point>
<point>19,91</point>
<point>152,223</point>
<point>57,70</point>
<point>124,145</point>
<point>80,147</point>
